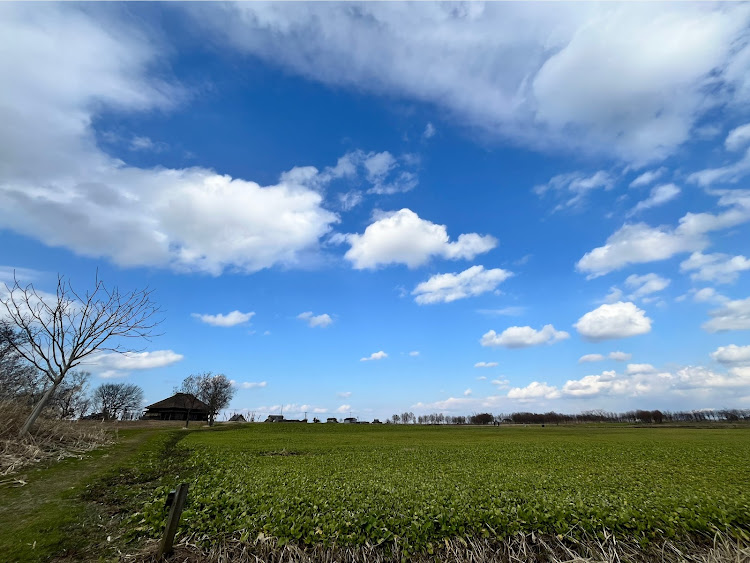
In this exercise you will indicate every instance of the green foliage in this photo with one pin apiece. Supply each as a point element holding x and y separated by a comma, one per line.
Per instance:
<point>351,484</point>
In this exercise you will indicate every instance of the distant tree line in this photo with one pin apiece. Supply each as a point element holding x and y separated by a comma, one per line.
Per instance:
<point>552,417</point>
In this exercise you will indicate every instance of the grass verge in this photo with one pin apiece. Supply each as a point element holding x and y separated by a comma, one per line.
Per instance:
<point>71,510</point>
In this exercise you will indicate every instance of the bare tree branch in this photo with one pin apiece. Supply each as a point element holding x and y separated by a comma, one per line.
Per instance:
<point>61,330</point>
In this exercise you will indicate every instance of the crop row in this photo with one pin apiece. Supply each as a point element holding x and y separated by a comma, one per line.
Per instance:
<point>341,490</point>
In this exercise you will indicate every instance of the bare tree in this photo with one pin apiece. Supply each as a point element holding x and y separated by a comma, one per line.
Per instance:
<point>216,391</point>
<point>71,398</point>
<point>8,334</point>
<point>191,388</point>
<point>18,379</point>
<point>60,331</point>
<point>114,399</point>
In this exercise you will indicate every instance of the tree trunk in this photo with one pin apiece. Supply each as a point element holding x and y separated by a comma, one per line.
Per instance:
<point>37,411</point>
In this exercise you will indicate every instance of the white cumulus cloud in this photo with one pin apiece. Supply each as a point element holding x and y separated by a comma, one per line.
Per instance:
<point>597,78</point>
<point>252,384</point>
<point>444,288</point>
<point>485,365</point>
<point>659,196</point>
<point>646,284</point>
<point>639,368</point>
<point>111,364</point>
<point>523,336</point>
<point>738,138</point>
<point>702,377</point>
<point>616,320</point>
<point>59,187</point>
<point>643,380</point>
<point>717,267</point>
<point>589,385</point>
<point>402,237</point>
<point>230,319</point>
<point>730,173</point>
<point>573,188</point>
<point>639,243</point>
<point>386,174</point>
<point>647,177</point>
<point>374,356</point>
<point>732,355</point>
<point>620,356</point>
<point>707,295</point>
<point>313,321</point>
<point>732,315</point>
<point>634,244</point>
<point>534,391</point>
<point>617,356</point>
<point>590,358</point>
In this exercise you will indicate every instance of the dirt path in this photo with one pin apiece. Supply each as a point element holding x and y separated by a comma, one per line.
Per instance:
<point>46,518</point>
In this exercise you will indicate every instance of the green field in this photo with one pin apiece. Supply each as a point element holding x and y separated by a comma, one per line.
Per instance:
<point>352,484</point>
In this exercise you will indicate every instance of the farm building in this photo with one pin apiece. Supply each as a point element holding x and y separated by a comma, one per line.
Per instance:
<point>280,418</point>
<point>179,406</point>
<point>237,418</point>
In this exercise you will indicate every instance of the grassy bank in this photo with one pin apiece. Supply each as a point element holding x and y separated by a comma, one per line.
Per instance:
<point>71,510</point>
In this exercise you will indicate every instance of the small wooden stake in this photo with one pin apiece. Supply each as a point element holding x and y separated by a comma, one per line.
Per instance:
<point>175,511</point>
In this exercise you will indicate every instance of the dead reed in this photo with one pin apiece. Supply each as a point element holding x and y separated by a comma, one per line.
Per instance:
<point>49,439</point>
<point>521,548</point>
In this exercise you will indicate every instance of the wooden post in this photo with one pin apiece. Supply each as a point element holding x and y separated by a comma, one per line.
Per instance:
<point>175,511</point>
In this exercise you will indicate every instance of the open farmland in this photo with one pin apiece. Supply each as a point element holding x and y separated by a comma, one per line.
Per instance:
<point>414,486</point>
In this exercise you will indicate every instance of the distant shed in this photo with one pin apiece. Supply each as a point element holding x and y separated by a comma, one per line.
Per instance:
<point>237,418</point>
<point>179,406</point>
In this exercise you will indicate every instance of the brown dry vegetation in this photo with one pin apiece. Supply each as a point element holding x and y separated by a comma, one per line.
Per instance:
<point>48,440</point>
<point>517,549</point>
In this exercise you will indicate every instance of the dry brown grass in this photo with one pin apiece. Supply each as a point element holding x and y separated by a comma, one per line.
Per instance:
<point>521,548</point>
<point>48,439</point>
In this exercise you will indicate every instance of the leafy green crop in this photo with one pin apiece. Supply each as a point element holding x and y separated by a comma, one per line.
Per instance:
<point>336,484</point>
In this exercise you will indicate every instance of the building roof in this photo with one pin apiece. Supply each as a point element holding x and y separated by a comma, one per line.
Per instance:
<point>237,418</point>
<point>181,401</point>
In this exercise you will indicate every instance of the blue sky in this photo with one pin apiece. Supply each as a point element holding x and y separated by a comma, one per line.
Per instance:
<point>387,207</point>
